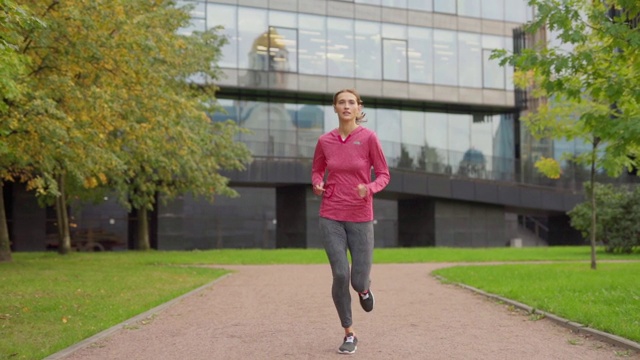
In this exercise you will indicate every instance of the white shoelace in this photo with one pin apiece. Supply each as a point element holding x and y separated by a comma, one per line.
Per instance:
<point>365,296</point>
<point>349,339</point>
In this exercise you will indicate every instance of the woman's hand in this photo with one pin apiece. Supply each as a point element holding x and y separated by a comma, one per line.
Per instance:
<point>362,190</point>
<point>318,189</point>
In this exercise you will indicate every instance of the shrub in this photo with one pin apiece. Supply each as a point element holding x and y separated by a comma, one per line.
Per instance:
<point>617,211</point>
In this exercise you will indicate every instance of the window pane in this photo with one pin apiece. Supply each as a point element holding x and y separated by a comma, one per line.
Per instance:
<point>368,50</point>
<point>479,158</point>
<point>413,128</point>
<point>340,47</point>
<point>469,8</point>
<point>370,2</point>
<point>388,130</point>
<point>459,139</point>
<point>395,3</point>
<point>283,19</point>
<point>413,139</point>
<point>436,156</point>
<point>252,26</point>
<point>225,16</point>
<point>312,49</point>
<point>229,111</point>
<point>503,164</point>
<point>493,73</point>
<point>459,134</point>
<point>445,57</point>
<point>508,68</point>
<point>516,11</point>
<point>395,60</point>
<point>482,135</point>
<point>309,121</point>
<point>436,130</point>
<point>371,119</point>
<point>330,118</point>
<point>493,9</point>
<point>444,6</point>
<point>503,137</point>
<point>393,31</point>
<point>470,65</point>
<point>283,49</point>
<point>253,116</point>
<point>424,5</point>
<point>282,132</point>
<point>420,55</point>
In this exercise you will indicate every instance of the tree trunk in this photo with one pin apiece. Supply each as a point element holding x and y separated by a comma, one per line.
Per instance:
<point>143,230</point>
<point>592,194</point>
<point>64,238</point>
<point>5,242</point>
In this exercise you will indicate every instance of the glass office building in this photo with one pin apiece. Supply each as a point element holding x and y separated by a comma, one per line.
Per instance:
<point>436,99</point>
<point>444,111</point>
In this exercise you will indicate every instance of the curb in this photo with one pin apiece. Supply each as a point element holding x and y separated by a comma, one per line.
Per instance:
<point>145,315</point>
<point>574,326</point>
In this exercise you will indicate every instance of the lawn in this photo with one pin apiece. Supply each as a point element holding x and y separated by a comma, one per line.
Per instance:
<point>49,302</point>
<point>607,299</point>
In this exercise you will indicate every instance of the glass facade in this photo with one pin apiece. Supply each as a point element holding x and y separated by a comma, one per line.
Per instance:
<point>515,11</point>
<point>270,40</point>
<point>463,141</point>
<point>414,140</point>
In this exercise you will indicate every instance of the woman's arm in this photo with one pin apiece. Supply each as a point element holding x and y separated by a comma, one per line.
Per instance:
<point>380,167</point>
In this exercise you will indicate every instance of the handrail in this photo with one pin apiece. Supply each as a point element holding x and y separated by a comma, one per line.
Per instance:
<point>537,226</point>
<point>446,162</point>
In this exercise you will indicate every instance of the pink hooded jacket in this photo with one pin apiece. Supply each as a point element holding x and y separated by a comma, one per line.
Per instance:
<point>349,163</point>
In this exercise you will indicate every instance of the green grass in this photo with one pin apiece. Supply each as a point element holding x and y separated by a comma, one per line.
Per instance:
<point>607,299</point>
<point>49,302</point>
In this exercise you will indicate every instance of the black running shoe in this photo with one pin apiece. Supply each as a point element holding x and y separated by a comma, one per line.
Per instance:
<point>349,345</point>
<point>366,300</point>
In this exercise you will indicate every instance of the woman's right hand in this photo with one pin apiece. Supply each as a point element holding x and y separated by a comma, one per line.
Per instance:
<point>318,189</point>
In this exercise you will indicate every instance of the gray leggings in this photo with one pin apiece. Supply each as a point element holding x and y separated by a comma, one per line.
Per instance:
<point>357,237</point>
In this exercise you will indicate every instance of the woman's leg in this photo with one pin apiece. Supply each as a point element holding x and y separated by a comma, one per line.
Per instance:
<point>334,239</point>
<point>360,244</point>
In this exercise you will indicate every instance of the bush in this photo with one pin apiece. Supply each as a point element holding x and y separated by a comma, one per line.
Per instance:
<point>617,214</point>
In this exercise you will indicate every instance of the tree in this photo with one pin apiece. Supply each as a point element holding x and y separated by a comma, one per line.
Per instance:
<point>171,146</point>
<point>591,90</point>
<point>60,128</point>
<point>14,20</point>
<point>119,100</point>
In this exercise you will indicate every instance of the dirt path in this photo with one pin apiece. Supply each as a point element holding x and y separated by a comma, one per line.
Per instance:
<point>286,312</point>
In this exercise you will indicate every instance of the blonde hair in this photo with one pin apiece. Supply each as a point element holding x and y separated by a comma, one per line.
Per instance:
<point>360,116</point>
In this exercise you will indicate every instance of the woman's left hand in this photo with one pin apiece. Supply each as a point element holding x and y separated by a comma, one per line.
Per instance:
<point>362,190</point>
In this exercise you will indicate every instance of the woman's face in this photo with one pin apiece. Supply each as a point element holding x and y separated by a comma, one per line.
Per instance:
<point>346,106</point>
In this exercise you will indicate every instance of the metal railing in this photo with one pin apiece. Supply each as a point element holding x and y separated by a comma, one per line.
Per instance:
<point>453,164</point>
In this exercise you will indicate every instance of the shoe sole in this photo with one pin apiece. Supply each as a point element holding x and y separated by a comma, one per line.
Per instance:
<point>348,352</point>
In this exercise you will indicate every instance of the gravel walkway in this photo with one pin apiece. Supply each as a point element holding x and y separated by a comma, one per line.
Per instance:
<point>286,312</point>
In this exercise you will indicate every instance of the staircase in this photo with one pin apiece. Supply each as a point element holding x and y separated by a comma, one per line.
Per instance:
<point>531,231</point>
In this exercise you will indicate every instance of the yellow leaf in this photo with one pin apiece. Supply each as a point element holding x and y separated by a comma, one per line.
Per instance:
<point>90,182</point>
<point>64,319</point>
<point>549,167</point>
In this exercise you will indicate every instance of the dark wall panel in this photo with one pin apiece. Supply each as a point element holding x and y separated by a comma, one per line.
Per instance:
<point>291,210</point>
<point>487,193</point>
<point>462,190</point>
